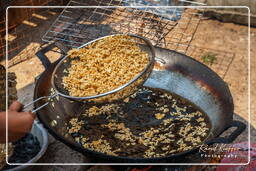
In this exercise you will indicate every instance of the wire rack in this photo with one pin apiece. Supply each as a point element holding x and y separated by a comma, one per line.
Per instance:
<point>73,27</point>
<point>76,26</point>
<point>172,28</point>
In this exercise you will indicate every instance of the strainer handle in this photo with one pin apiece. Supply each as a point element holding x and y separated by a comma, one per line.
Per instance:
<point>38,99</point>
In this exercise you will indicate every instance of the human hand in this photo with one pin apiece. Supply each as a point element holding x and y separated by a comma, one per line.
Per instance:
<point>19,123</point>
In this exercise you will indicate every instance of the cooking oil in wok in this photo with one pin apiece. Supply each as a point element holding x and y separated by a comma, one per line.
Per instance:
<point>150,123</point>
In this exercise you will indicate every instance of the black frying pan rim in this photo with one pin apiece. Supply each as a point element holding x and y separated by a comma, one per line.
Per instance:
<point>78,148</point>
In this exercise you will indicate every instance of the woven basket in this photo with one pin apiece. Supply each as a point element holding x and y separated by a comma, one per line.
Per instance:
<point>12,92</point>
<point>12,96</point>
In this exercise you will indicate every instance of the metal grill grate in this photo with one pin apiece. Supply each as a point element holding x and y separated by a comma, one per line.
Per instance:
<point>171,27</point>
<point>165,27</point>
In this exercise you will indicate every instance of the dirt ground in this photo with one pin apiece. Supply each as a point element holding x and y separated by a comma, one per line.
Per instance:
<point>210,34</point>
<point>234,38</point>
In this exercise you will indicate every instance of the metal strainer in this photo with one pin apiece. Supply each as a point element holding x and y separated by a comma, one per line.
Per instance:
<point>119,93</point>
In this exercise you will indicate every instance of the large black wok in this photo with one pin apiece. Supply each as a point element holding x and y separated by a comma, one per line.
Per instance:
<point>180,74</point>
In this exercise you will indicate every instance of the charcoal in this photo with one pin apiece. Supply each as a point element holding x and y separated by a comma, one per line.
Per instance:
<point>25,149</point>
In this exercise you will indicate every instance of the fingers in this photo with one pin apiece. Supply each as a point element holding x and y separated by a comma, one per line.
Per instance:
<point>20,122</point>
<point>16,106</point>
<point>30,116</point>
<point>27,118</point>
